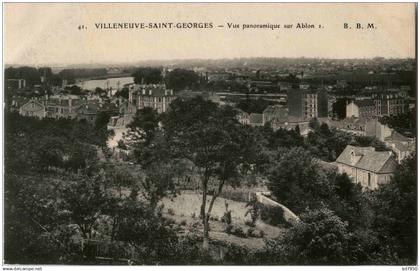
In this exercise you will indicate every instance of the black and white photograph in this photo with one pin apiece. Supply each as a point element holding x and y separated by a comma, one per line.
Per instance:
<point>209,134</point>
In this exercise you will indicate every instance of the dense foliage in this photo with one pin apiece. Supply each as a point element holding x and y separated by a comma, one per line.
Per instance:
<point>147,75</point>
<point>59,191</point>
<point>181,79</point>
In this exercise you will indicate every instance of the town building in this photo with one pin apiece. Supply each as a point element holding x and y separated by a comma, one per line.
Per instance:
<point>256,119</point>
<point>118,124</point>
<point>242,117</point>
<point>306,104</point>
<point>17,102</point>
<point>400,145</point>
<point>275,113</point>
<point>361,109</point>
<point>111,109</point>
<point>154,96</point>
<point>33,108</point>
<point>376,129</point>
<point>87,112</point>
<point>366,166</point>
<point>15,83</point>
<point>390,102</point>
<point>127,108</point>
<point>356,126</point>
<point>63,106</point>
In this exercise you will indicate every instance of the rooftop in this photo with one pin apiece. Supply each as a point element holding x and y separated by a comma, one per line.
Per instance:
<point>368,159</point>
<point>255,118</point>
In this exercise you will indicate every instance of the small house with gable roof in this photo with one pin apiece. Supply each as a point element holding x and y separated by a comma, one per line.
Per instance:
<point>366,166</point>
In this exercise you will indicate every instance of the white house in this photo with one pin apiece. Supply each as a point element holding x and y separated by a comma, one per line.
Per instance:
<point>367,166</point>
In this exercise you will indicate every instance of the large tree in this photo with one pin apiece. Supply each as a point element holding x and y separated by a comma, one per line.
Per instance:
<point>295,180</point>
<point>180,79</point>
<point>320,237</point>
<point>147,75</point>
<point>84,199</point>
<point>211,138</point>
<point>396,211</point>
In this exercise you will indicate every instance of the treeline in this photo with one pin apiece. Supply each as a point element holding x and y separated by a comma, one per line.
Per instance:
<point>177,79</point>
<point>182,79</point>
<point>72,74</point>
<point>33,75</point>
<point>35,146</point>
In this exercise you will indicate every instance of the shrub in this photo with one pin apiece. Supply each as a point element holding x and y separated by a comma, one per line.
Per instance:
<point>195,224</point>
<point>238,231</point>
<point>236,254</point>
<point>249,223</point>
<point>254,210</point>
<point>227,216</point>
<point>228,229</point>
<point>171,211</point>
<point>250,232</point>
<point>214,218</point>
<point>262,233</point>
<point>122,145</point>
<point>273,215</point>
<point>169,221</point>
<point>183,222</point>
<point>235,230</point>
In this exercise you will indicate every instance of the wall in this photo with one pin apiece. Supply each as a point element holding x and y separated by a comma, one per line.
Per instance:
<point>294,103</point>
<point>352,110</point>
<point>362,176</point>
<point>288,215</point>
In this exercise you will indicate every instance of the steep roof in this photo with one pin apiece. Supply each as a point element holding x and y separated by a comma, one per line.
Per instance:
<point>275,109</point>
<point>156,90</point>
<point>88,108</point>
<point>255,118</point>
<point>368,159</point>
<point>108,107</point>
<point>404,147</point>
<point>395,136</point>
<point>34,102</point>
<point>240,112</point>
<point>363,103</point>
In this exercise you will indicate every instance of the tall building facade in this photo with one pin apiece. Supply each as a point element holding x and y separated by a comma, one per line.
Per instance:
<point>63,106</point>
<point>378,104</point>
<point>305,104</point>
<point>154,96</point>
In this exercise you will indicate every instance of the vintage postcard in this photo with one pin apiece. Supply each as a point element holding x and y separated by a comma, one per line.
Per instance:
<point>209,134</point>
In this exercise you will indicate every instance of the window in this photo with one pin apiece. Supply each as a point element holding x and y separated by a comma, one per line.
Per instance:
<point>369,183</point>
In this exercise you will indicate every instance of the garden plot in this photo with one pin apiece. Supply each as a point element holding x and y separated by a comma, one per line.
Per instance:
<point>184,209</point>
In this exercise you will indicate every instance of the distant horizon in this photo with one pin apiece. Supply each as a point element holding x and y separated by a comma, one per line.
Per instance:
<point>139,62</point>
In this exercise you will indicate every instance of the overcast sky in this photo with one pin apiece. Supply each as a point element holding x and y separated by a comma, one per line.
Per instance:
<point>47,33</point>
